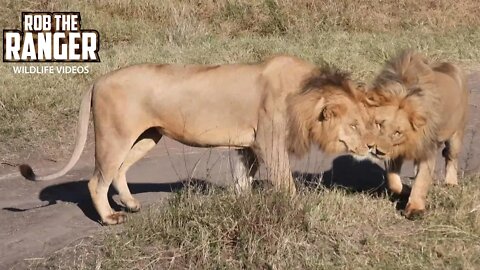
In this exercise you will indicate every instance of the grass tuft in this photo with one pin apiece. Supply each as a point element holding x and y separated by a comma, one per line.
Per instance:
<point>319,229</point>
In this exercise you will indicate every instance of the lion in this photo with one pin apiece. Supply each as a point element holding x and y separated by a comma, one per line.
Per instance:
<point>265,111</point>
<point>417,107</point>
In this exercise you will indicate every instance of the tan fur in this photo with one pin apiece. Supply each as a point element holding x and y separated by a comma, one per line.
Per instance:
<point>417,106</point>
<point>408,83</point>
<point>324,123</point>
<point>239,106</point>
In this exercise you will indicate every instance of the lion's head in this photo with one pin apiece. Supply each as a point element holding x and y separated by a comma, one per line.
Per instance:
<point>328,112</point>
<point>403,106</point>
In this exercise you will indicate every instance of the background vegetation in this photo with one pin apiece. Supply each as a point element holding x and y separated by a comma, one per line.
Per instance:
<point>320,229</point>
<point>354,35</point>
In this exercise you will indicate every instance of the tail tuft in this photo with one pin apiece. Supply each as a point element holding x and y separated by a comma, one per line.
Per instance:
<point>80,140</point>
<point>27,172</point>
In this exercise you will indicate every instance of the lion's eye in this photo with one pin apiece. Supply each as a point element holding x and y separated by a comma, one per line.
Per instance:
<point>397,133</point>
<point>354,126</point>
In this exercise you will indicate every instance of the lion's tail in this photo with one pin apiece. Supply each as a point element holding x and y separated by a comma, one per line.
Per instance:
<point>80,141</point>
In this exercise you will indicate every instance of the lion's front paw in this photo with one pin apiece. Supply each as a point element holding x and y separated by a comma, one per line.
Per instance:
<point>414,210</point>
<point>132,205</point>
<point>115,218</point>
<point>243,185</point>
<point>451,180</point>
<point>395,184</point>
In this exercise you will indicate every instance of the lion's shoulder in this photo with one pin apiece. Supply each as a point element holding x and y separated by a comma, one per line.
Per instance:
<point>286,62</point>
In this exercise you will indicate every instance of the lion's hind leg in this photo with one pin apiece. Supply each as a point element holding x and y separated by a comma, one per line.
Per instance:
<point>110,153</point>
<point>144,143</point>
<point>245,170</point>
<point>450,153</point>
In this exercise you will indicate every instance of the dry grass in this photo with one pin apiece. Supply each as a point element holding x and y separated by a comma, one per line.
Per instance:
<point>38,111</point>
<point>320,229</point>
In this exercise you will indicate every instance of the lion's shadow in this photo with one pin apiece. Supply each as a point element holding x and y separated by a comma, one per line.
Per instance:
<point>349,174</point>
<point>77,192</point>
<point>346,173</point>
<point>355,176</point>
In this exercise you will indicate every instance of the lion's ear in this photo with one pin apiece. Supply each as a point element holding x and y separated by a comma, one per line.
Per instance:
<point>361,87</point>
<point>373,99</point>
<point>417,121</point>
<point>331,111</point>
<point>317,110</point>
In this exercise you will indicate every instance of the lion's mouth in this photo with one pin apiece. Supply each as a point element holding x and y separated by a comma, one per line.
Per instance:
<point>378,154</point>
<point>347,149</point>
<point>374,156</point>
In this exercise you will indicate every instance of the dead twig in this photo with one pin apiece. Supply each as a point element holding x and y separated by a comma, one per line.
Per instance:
<point>9,164</point>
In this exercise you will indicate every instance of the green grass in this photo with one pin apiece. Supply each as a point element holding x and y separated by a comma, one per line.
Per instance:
<point>319,229</point>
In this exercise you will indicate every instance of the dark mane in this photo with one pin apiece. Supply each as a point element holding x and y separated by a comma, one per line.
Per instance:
<point>324,85</point>
<point>327,76</point>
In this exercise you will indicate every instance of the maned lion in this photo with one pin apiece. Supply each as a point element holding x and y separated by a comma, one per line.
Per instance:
<point>249,107</point>
<point>418,106</point>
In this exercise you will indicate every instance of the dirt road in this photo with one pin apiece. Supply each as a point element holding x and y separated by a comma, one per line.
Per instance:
<point>39,218</point>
